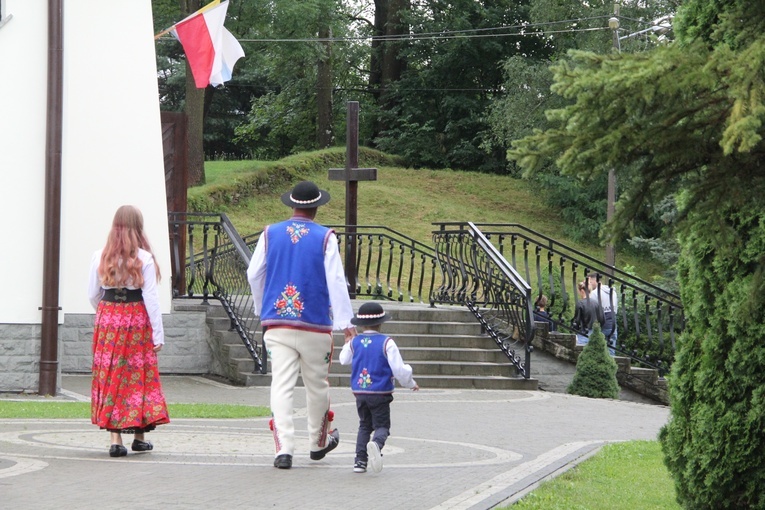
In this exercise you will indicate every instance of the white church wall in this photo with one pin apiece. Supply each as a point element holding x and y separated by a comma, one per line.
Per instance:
<point>112,137</point>
<point>112,144</point>
<point>111,155</point>
<point>23,79</point>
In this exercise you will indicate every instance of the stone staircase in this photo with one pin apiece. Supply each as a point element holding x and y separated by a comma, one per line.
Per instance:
<point>444,346</point>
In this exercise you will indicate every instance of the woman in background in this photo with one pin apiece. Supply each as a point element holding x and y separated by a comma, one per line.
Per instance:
<point>586,312</point>
<point>126,395</point>
<point>541,314</point>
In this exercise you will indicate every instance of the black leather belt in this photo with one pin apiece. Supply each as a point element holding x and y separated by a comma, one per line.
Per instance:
<point>122,295</point>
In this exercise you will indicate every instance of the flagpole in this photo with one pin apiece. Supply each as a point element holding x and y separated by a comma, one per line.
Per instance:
<point>212,4</point>
<point>164,32</point>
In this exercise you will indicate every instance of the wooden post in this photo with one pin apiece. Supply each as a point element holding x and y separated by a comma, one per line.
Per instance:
<point>351,174</point>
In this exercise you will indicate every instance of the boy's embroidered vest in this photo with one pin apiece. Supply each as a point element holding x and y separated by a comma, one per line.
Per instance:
<point>296,291</point>
<point>371,372</point>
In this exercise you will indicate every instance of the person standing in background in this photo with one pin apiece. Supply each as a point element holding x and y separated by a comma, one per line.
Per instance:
<point>586,312</point>
<point>126,393</point>
<point>608,301</point>
<point>300,293</point>
<point>541,314</point>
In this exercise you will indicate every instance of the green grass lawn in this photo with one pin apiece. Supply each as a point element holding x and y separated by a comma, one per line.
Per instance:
<point>621,476</point>
<point>57,410</point>
<point>410,200</point>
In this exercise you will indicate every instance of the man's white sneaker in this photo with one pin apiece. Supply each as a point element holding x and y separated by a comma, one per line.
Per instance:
<point>374,457</point>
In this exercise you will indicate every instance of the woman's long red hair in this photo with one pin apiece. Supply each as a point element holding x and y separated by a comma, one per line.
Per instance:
<point>120,264</point>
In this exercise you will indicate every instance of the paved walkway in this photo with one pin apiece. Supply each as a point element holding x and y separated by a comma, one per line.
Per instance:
<point>449,449</point>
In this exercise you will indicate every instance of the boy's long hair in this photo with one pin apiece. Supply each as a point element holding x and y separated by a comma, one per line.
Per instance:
<point>120,265</point>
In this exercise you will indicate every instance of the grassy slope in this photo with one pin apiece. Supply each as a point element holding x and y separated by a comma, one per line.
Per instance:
<point>409,200</point>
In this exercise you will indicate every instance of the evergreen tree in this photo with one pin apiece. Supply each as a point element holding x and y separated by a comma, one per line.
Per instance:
<point>595,375</point>
<point>688,119</point>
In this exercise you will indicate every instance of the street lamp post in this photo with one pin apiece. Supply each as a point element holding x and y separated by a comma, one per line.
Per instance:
<point>613,24</point>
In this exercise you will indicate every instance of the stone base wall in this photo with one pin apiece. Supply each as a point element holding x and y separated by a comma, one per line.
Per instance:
<point>20,357</point>
<point>187,349</point>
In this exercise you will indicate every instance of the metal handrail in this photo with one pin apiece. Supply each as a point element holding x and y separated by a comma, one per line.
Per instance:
<point>503,230</point>
<point>480,266</point>
<point>218,270</point>
<point>648,317</point>
<point>389,265</point>
<point>476,275</point>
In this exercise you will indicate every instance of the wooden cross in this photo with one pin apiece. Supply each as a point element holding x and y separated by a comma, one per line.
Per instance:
<point>352,174</point>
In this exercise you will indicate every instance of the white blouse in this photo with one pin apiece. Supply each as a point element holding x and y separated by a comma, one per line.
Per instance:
<point>149,290</point>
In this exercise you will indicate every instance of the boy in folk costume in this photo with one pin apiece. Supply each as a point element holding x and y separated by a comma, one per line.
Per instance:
<point>375,361</point>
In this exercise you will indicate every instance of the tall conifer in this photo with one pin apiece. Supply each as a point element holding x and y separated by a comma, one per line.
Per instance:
<point>687,120</point>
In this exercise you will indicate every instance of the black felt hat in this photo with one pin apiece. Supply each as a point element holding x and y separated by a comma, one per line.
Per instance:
<point>370,314</point>
<point>305,195</point>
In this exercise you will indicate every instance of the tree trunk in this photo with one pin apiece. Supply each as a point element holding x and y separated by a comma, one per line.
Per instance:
<point>324,134</point>
<point>375,65</point>
<point>386,65</point>
<point>195,104</point>
<point>393,65</point>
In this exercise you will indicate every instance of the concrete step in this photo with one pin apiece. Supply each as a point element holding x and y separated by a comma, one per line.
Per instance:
<point>447,368</point>
<point>456,382</point>
<point>442,341</point>
<point>213,308</point>
<point>444,346</point>
<point>430,327</point>
<point>479,360</point>
<point>461,354</point>
<point>425,381</point>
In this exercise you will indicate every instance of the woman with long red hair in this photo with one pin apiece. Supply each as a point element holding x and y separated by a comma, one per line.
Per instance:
<point>126,394</point>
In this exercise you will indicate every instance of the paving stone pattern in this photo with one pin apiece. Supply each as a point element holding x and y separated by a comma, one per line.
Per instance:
<point>448,449</point>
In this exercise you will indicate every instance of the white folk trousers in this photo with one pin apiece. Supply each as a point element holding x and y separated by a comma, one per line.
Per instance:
<point>310,353</point>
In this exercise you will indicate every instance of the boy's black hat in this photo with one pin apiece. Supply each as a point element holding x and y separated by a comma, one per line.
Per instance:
<point>305,195</point>
<point>370,314</point>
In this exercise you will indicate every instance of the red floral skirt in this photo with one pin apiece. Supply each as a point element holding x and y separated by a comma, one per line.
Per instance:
<point>126,393</point>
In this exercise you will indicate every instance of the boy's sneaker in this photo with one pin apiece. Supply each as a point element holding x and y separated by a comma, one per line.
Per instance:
<point>374,457</point>
<point>360,467</point>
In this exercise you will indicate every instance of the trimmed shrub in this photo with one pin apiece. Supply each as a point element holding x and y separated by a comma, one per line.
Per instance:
<point>595,375</point>
<point>714,443</point>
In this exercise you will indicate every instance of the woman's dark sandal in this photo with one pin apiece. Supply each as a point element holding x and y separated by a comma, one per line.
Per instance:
<point>117,450</point>
<point>141,446</point>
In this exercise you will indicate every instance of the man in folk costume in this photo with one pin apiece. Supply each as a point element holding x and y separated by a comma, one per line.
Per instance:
<point>300,293</point>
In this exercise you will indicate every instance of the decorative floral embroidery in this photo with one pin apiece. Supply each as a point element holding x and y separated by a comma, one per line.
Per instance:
<point>297,231</point>
<point>365,341</point>
<point>365,380</point>
<point>290,304</point>
<point>328,358</point>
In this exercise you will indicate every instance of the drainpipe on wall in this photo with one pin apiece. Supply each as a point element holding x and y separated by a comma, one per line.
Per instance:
<point>52,228</point>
